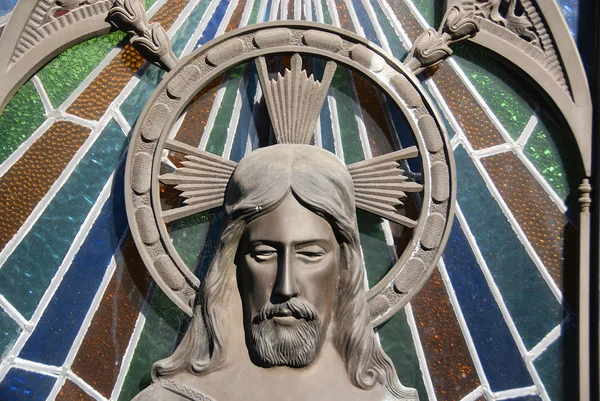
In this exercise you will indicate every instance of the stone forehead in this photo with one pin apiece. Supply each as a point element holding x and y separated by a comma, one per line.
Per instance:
<point>287,157</point>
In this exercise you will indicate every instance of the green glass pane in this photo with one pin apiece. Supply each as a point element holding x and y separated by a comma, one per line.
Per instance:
<point>9,331</point>
<point>218,134</point>
<point>376,253</point>
<point>156,342</point>
<point>554,154</point>
<point>557,367</point>
<point>149,3</point>
<point>21,117</point>
<point>504,95</point>
<point>396,341</point>
<point>326,15</point>
<point>64,73</point>
<point>427,10</point>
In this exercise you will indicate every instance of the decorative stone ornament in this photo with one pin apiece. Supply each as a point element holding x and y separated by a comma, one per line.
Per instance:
<point>290,242</point>
<point>203,177</point>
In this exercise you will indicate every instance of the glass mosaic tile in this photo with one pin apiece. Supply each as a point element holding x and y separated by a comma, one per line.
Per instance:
<point>490,334</point>
<point>554,153</point>
<point>396,46</point>
<point>64,73</point>
<point>157,341</point>
<point>365,22</point>
<point>27,272</point>
<point>215,20</point>
<point>498,87</point>
<point>396,340</point>
<point>135,102</point>
<point>9,332</point>
<point>351,144</point>
<point>236,16</point>
<point>247,117</point>
<point>253,19</point>
<point>182,36</point>
<point>51,340</point>
<point>99,359</point>
<point>570,10</point>
<point>23,114</point>
<point>343,15</point>
<point>528,298</point>
<point>7,6</point>
<point>448,359</point>
<point>376,253</point>
<point>30,178</point>
<point>558,366</point>
<point>70,392</point>
<point>23,385</point>
<point>326,13</point>
<point>552,237</point>
<point>218,133</point>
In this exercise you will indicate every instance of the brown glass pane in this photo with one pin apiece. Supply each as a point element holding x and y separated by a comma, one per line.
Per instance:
<point>100,356</point>
<point>30,178</point>
<point>450,366</point>
<point>546,227</point>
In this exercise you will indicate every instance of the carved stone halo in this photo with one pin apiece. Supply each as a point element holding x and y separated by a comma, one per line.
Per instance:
<point>178,88</point>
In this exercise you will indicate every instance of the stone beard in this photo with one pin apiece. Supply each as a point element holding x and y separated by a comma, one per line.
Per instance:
<point>277,344</point>
<point>291,250</point>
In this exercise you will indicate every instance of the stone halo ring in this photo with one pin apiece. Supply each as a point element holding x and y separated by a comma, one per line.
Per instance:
<point>204,191</point>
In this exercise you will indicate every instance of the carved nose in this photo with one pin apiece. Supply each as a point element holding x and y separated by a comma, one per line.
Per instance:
<point>285,283</point>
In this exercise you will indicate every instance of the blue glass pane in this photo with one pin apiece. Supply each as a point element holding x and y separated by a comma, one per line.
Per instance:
<point>21,385</point>
<point>498,353</point>
<point>53,336</point>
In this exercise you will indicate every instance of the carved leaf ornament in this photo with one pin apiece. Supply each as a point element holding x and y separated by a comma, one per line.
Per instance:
<point>294,101</point>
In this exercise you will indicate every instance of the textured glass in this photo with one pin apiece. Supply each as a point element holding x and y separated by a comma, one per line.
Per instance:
<point>182,36</point>
<point>427,10</point>
<point>558,366</point>
<point>490,334</point>
<point>396,46</point>
<point>496,85</point>
<point>23,114</point>
<point>215,20</point>
<point>218,133</point>
<point>528,298</point>
<point>25,385</point>
<point>570,10</point>
<point>555,155</point>
<point>27,272</point>
<point>248,116</point>
<point>396,340</point>
<point>157,341</point>
<point>51,340</point>
<point>64,73</point>
<point>134,103</point>
<point>448,359</point>
<point>365,22</point>
<point>9,332</point>
<point>7,6</point>
<point>326,14</point>
<point>99,359</point>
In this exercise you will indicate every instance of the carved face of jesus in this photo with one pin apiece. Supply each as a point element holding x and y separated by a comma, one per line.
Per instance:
<point>288,264</point>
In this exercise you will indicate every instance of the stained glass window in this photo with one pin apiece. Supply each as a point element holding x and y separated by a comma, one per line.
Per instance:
<point>81,319</point>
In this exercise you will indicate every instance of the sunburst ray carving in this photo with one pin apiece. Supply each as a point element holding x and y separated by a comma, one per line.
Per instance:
<point>202,180</point>
<point>294,100</point>
<point>380,185</point>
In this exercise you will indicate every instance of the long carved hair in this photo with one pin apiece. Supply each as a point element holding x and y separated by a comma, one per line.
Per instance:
<point>322,184</point>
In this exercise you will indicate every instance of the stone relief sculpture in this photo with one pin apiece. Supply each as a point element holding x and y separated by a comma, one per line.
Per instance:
<point>284,312</point>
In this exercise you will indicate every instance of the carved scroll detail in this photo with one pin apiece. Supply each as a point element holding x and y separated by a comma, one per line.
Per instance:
<point>432,47</point>
<point>50,16</point>
<point>151,40</point>
<point>520,23</point>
